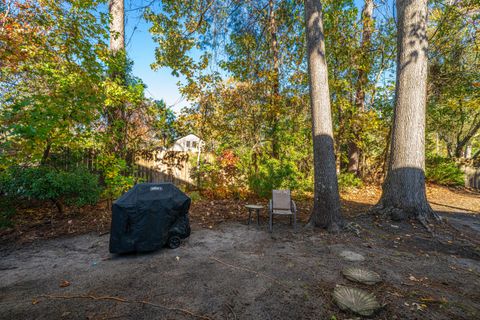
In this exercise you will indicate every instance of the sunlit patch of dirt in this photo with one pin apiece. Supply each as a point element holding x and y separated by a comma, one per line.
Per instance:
<point>43,221</point>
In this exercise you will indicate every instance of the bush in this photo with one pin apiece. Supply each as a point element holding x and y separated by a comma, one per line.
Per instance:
<point>348,180</point>
<point>115,176</point>
<point>219,177</point>
<point>78,187</point>
<point>277,174</point>
<point>443,171</point>
<point>195,196</point>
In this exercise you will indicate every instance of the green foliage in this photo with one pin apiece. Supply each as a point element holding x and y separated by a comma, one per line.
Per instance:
<point>195,196</point>
<point>454,73</point>
<point>444,171</point>
<point>63,94</point>
<point>260,111</point>
<point>277,174</point>
<point>115,176</point>
<point>219,175</point>
<point>49,94</point>
<point>77,187</point>
<point>347,180</point>
<point>7,211</point>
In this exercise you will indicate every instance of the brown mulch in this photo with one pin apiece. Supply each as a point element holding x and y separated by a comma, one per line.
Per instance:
<point>42,221</point>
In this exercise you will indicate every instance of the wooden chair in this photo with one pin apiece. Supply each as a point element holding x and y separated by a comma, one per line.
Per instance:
<point>282,204</point>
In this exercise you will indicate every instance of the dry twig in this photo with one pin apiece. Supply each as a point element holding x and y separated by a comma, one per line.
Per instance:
<point>118,299</point>
<point>251,271</point>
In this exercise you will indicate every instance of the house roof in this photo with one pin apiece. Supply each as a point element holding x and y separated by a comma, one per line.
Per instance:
<point>181,145</point>
<point>189,137</point>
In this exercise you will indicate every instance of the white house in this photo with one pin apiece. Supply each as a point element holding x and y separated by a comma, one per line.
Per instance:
<point>189,143</point>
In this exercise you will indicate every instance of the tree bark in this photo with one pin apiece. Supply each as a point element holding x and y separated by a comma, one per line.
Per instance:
<point>117,25</point>
<point>275,95</point>
<point>59,205</point>
<point>404,193</point>
<point>362,81</point>
<point>117,71</point>
<point>326,209</point>
<point>46,153</point>
<point>461,143</point>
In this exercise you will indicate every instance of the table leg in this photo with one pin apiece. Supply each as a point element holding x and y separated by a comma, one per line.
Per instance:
<point>271,222</point>
<point>249,215</point>
<point>258,217</point>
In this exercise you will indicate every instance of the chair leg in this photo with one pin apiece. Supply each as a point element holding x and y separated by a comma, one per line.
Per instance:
<point>271,222</point>
<point>291,219</point>
<point>294,221</point>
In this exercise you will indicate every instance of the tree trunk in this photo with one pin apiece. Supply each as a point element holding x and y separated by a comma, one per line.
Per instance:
<point>461,143</point>
<point>326,209</point>
<point>118,74</point>
<point>117,25</point>
<point>404,193</point>
<point>46,153</point>
<point>275,95</point>
<point>353,158</point>
<point>59,205</point>
<point>362,81</point>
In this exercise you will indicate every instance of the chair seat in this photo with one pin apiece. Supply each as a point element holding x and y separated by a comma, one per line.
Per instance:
<point>282,211</point>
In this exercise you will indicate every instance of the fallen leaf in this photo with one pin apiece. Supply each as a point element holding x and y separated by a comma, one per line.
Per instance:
<point>64,284</point>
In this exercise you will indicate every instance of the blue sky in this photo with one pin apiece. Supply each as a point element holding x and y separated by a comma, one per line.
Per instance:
<point>141,49</point>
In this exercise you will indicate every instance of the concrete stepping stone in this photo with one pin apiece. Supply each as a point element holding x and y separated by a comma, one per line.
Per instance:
<point>356,300</point>
<point>361,275</point>
<point>351,256</point>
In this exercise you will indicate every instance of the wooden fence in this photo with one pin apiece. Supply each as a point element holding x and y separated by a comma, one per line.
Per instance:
<point>145,171</point>
<point>149,174</point>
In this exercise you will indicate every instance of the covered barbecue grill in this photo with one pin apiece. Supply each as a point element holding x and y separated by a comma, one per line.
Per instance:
<point>148,217</point>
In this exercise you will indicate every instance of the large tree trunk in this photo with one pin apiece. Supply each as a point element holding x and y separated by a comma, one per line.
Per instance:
<point>275,94</point>
<point>404,187</point>
<point>326,209</point>
<point>362,81</point>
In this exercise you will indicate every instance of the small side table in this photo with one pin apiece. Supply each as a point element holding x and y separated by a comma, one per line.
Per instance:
<point>251,208</point>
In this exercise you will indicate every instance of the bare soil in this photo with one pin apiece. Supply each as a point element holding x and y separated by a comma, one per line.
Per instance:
<point>230,270</point>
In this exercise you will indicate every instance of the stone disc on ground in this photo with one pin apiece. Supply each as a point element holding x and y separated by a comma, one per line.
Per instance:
<point>356,300</point>
<point>352,256</point>
<point>361,275</point>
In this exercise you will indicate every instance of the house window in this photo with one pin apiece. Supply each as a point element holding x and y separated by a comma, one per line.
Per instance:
<point>188,144</point>
<point>194,144</point>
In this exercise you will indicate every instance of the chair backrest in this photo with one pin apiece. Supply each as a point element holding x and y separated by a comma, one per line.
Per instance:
<point>281,199</point>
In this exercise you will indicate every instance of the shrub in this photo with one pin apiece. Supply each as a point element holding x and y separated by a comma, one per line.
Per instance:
<point>195,196</point>
<point>78,187</point>
<point>115,176</point>
<point>443,171</point>
<point>219,177</point>
<point>348,180</point>
<point>277,174</point>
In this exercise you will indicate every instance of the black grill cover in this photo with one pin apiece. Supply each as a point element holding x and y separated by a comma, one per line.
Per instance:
<point>146,216</point>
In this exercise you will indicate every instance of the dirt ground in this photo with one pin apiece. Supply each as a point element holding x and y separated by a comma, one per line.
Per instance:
<point>230,270</point>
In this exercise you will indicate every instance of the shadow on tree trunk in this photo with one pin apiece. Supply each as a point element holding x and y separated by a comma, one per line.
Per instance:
<point>326,202</point>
